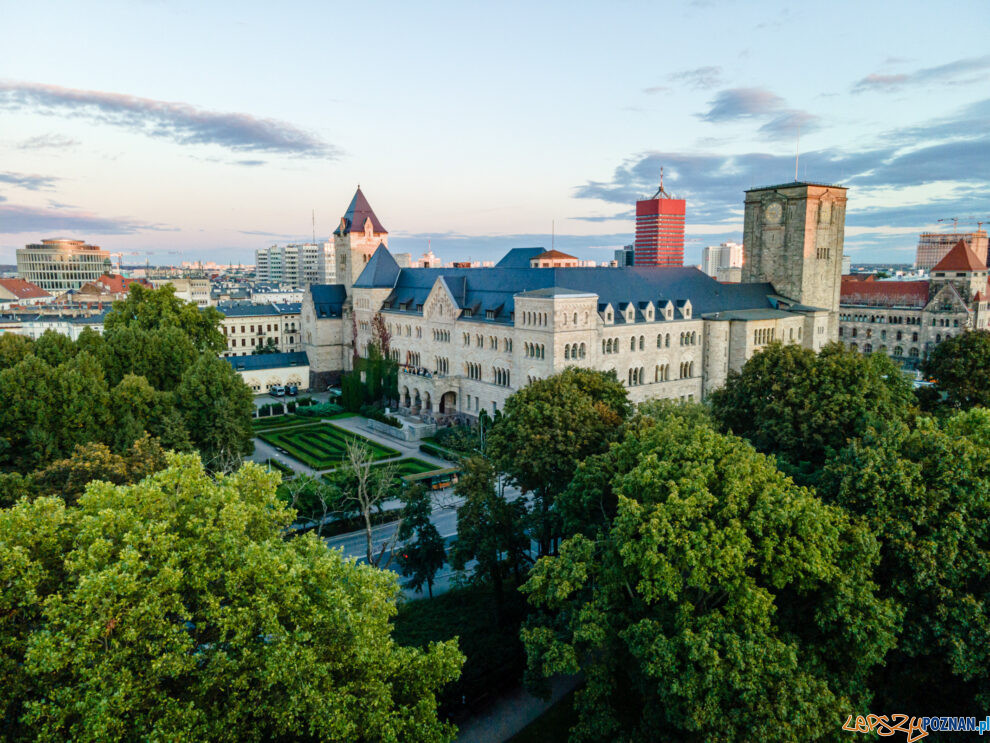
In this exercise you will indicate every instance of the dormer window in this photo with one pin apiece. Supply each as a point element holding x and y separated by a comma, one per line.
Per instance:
<point>608,316</point>
<point>468,312</point>
<point>489,314</point>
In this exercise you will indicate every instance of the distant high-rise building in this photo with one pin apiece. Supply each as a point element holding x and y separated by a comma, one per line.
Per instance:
<point>625,256</point>
<point>59,265</point>
<point>934,246</point>
<point>726,255</point>
<point>660,230</point>
<point>299,264</point>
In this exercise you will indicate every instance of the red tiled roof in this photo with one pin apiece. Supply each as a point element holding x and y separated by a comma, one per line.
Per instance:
<point>960,258</point>
<point>23,289</point>
<point>554,255</point>
<point>117,284</point>
<point>883,293</point>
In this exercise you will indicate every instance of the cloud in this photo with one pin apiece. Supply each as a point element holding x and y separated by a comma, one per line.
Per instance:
<point>977,68</point>
<point>654,89</point>
<point>15,219</point>
<point>736,104</point>
<point>740,103</point>
<point>699,77</point>
<point>29,182</point>
<point>898,187</point>
<point>181,123</point>
<point>49,141</point>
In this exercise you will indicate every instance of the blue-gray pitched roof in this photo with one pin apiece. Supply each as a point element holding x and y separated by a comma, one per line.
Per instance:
<point>519,257</point>
<point>488,288</point>
<point>381,270</point>
<point>328,299</point>
<point>255,362</point>
<point>247,309</point>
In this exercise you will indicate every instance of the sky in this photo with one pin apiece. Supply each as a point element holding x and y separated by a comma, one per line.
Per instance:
<point>172,131</point>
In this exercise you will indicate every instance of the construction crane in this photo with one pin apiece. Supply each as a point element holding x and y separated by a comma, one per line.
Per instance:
<point>966,220</point>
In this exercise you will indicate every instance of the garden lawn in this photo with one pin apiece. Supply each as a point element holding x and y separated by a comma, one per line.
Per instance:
<point>321,446</point>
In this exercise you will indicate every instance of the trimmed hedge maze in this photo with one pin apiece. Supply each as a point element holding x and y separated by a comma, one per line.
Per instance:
<point>321,446</point>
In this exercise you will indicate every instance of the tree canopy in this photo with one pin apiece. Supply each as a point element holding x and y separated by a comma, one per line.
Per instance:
<point>723,602</point>
<point>174,609</point>
<point>547,428</point>
<point>960,367</point>
<point>153,309</point>
<point>925,494</point>
<point>800,406</point>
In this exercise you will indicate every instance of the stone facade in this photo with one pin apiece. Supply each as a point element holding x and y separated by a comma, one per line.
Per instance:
<point>250,326</point>
<point>793,236</point>
<point>466,342</point>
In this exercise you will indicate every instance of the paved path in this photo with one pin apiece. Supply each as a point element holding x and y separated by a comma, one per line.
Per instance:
<point>512,712</point>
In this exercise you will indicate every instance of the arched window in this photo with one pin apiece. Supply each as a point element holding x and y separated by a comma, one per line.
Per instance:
<point>608,345</point>
<point>641,340</point>
<point>913,353</point>
<point>567,352</point>
<point>659,340</point>
<point>632,343</point>
<point>582,350</point>
<point>603,345</point>
<point>575,318</point>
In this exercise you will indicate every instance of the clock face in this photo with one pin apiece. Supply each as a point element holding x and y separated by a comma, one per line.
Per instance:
<point>774,212</point>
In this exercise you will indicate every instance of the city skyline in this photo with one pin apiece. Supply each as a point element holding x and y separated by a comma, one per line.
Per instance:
<point>472,130</point>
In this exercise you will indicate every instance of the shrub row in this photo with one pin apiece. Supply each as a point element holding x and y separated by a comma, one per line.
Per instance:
<point>321,447</point>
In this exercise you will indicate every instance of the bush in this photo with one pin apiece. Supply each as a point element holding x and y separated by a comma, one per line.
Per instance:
<point>319,410</point>
<point>437,451</point>
<point>463,439</point>
<point>302,402</point>
<point>290,406</point>
<point>375,413</point>
<point>264,410</point>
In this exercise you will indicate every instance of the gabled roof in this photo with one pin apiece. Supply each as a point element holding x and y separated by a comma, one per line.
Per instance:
<point>328,299</point>
<point>23,289</point>
<point>519,257</point>
<point>357,213</point>
<point>268,361</point>
<point>960,258</point>
<point>380,271</point>
<point>118,284</point>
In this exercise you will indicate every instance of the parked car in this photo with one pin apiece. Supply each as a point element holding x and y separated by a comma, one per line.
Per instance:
<point>276,390</point>
<point>292,390</point>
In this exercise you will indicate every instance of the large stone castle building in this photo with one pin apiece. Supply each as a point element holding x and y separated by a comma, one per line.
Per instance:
<point>467,338</point>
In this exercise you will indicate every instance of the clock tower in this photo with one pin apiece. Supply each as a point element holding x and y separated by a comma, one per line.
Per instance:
<point>792,237</point>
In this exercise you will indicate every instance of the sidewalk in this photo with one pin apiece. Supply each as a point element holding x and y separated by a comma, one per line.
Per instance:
<point>512,712</point>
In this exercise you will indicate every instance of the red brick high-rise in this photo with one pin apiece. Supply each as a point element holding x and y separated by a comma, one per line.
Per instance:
<point>660,230</point>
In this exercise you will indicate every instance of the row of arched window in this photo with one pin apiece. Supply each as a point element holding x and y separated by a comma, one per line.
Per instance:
<point>611,345</point>
<point>441,336</point>
<point>442,365</point>
<point>661,373</point>
<point>501,377</point>
<point>574,351</point>
<point>689,339</point>
<point>913,353</point>
<point>473,370</point>
<point>412,358</point>
<point>534,350</point>
<point>762,336</point>
<point>535,318</point>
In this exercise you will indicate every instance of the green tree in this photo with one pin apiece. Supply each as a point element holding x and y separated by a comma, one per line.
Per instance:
<point>54,348</point>
<point>925,494</point>
<point>153,309</point>
<point>800,406</point>
<point>161,355</point>
<point>174,609</point>
<point>93,342</point>
<point>423,553</point>
<point>216,407</point>
<point>960,367</point>
<point>490,529</point>
<point>67,478</point>
<point>270,347</point>
<point>723,602</point>
<point>547,428</point>
<point>81,404</point>
<point>139,409</point>
<point>28,415</point>
<point>13,349</point>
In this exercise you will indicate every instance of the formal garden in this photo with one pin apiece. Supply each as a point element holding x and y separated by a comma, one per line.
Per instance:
<point>320,445</point>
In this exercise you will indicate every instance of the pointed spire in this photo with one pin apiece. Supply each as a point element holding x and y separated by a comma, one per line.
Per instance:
<point>358,212</point>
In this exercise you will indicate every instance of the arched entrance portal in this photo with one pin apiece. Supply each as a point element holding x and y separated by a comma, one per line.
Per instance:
<point>448,402</point>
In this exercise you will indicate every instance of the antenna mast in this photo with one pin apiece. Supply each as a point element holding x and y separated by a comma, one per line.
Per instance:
<point>660,192</point>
